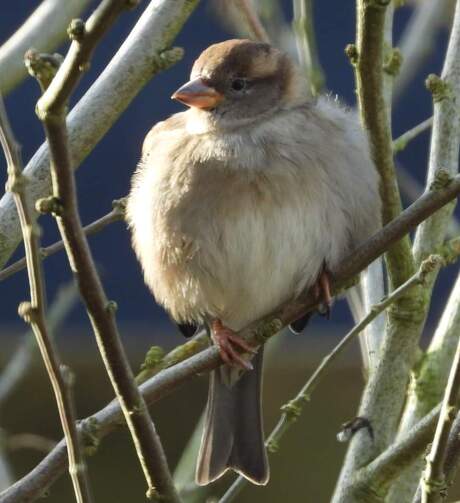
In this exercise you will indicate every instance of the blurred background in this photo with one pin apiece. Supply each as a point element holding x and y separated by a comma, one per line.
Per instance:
<point>310,456</point>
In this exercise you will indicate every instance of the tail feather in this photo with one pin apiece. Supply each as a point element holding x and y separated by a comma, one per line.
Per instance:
<point>233,432</point>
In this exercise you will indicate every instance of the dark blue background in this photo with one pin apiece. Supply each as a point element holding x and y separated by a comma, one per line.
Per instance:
<point>105,174</point>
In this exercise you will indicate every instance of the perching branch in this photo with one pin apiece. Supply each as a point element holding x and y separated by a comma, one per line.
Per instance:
<point>115,215</point>
<point>33,312</point>
<point>51,109</point>
<point>145,52</point>
<point>186,363</point>
<point>293,409</point>
<point>44,30</point>
<point>367,252</point>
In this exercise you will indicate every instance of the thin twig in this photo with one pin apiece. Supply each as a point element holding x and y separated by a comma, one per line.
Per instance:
<point>44,30</point>
<point>186,363</point>
<point>20,362</point>
<point>426,18</point>
<point>293,409</point>
<point>28,441</point>
<point>452,459</point>
<point>34,311</point>
<point>303,27</point>
<point>273,17</point>
<point>252,20</point>
<point>113,216</point>
<point>51,109</point>
<point>401,142</point>
<point>433,483</point>
<point>145,53</point>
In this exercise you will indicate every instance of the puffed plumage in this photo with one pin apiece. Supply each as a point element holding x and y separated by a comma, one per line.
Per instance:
<point>235,209</point>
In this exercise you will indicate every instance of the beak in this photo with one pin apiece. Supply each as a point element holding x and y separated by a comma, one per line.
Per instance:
<point>196,93</point>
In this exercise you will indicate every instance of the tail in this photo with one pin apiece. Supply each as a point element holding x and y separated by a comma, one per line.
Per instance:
<point>233,432</point>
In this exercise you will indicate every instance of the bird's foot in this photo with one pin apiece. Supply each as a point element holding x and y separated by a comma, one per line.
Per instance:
<point>322,293</point>
<point>228,343</point>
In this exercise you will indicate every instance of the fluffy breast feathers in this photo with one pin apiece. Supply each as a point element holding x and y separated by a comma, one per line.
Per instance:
<point>231,225</point>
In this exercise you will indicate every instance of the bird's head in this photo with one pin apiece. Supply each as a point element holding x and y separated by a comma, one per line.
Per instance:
<point>240,81</point>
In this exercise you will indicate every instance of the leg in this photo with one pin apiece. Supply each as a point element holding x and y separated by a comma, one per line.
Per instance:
<point>322,292</point>
<point>227,341</point>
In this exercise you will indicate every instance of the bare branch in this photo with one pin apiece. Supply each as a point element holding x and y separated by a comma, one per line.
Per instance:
<point>306,44</point>
<point>28,441</point>
<point>401,142</point>
<point>385,392</point>
<point>33,312</point>
<point>44,30</point>
<point>84,37</point>
<point>51,109</point>
<point>426,18</point>
<point>19,363</point>
<point>145,52</point>
<point>378,474</point>
<point>444,150</point>
<point>452,457</point>
<point>453,452</point>
<point>372,283</point>
<point>115,215</point>
<point>367,57</point>
<point>255,27</point>
<point>433,481</point>
<point>445,139</point>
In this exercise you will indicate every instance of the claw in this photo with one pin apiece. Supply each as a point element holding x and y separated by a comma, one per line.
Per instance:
<point>227,342</point>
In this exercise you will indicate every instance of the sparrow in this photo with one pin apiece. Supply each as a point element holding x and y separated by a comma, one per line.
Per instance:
<point>238,204</point>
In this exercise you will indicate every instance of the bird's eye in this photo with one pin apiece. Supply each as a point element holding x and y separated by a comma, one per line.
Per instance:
<point>239,84</point>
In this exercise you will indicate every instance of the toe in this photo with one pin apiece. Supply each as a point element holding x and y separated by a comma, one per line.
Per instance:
<point>241,343</point>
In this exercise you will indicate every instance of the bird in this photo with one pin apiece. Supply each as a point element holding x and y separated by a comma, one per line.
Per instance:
<point>254,193</point>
